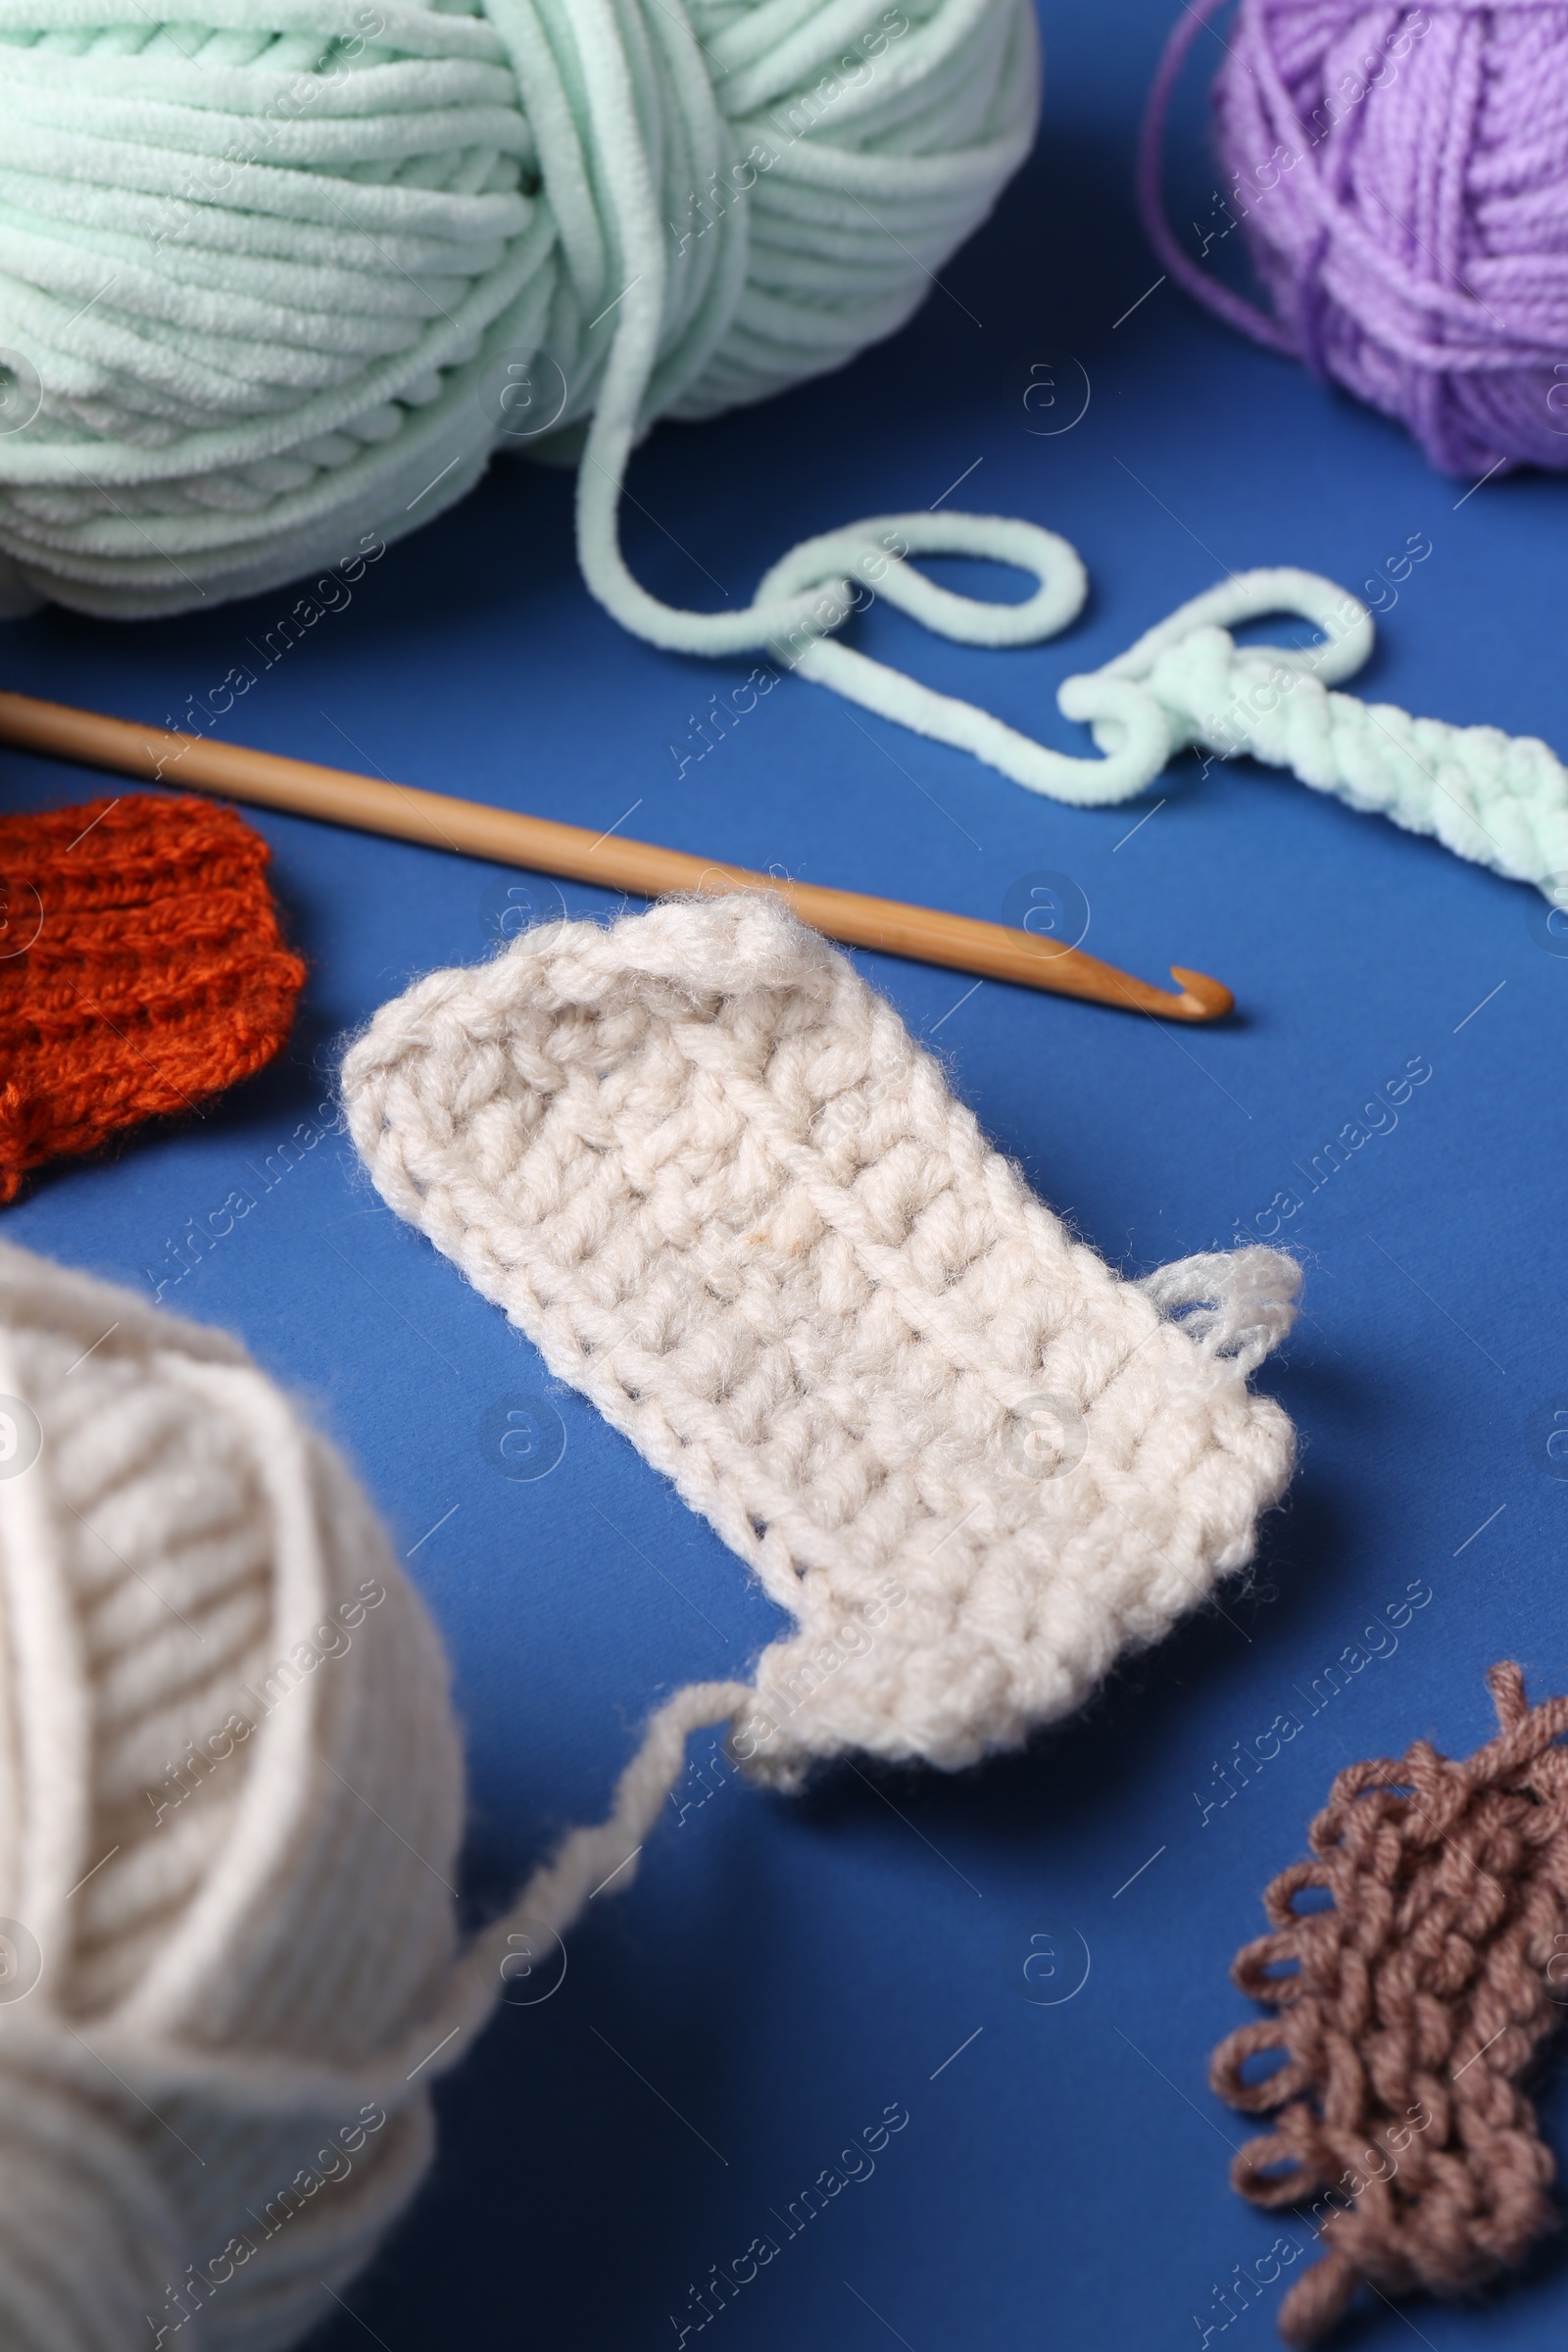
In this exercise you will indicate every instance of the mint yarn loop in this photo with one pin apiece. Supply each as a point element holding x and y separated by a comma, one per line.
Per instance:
<point>264,267</point>
<point>1497,800</point>
<point>266,273</point>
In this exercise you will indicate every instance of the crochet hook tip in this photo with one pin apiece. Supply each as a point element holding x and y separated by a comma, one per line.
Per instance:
<point>436,820</point>
<point>1201,999</point>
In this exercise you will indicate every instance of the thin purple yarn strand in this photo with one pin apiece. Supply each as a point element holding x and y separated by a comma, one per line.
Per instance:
<point>1233,308</point>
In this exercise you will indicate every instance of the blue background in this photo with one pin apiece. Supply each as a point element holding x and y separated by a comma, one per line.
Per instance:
<point>783,1970</point>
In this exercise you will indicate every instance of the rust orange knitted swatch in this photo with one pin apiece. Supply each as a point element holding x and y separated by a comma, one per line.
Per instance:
<point>1407,2012</point>
<point>141,969</point>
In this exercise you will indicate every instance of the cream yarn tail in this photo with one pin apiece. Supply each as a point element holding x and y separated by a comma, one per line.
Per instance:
<point>230,1804</point>
<point>706,1169</point>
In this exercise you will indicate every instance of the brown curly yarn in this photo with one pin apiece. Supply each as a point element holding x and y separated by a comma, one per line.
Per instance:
<point>1414,2006</point>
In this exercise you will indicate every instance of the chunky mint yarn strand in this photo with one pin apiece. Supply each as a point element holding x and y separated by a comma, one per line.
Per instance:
<point>266,268</point>
<point>194,440</point>
<point>261,264</point>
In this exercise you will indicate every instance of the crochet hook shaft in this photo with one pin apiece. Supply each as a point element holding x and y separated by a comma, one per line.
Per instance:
<point>991,951</point>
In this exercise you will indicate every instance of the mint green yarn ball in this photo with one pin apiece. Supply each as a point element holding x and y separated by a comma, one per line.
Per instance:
<point>287,275</point>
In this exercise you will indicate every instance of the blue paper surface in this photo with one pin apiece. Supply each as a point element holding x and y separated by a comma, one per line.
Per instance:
<point>785,1972</point>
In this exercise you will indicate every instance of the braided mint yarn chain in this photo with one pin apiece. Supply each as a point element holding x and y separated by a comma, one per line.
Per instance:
<point>267,264</point>
<point>1500,801</point>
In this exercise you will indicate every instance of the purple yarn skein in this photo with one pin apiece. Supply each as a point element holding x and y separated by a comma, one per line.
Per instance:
<point>1402,175</point>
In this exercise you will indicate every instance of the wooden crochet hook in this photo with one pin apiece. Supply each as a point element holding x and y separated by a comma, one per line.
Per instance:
<point>993,950</point>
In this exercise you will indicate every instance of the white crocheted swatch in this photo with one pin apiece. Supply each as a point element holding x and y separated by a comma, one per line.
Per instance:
<point>709,1173</point>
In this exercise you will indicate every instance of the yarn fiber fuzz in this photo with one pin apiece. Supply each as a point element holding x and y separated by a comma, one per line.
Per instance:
<point>1403,182</point>
<point>142,971</point>
<point>709,1173</point>
<point>231,1808</point>
<point>1409,2014</point>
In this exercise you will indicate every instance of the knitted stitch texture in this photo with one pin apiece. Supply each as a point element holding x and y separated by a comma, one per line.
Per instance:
<point>1407,2014</point>
<point>705,1169</point>
<point>141,969</point>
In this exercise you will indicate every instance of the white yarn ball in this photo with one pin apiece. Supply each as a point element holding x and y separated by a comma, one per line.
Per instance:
<point>230,1802</point>
<point>230,1805</point>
